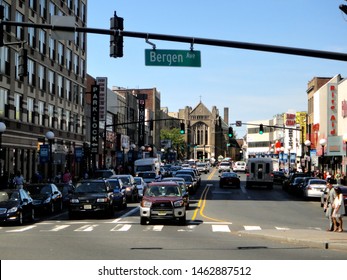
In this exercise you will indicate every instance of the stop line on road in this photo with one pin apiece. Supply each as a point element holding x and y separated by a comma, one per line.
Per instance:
<point>126,226</point>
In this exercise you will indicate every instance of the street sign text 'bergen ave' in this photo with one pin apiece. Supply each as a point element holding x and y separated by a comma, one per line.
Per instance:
<point>155,57</point>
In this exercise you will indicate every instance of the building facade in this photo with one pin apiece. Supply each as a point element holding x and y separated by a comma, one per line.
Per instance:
<point>49,96</point>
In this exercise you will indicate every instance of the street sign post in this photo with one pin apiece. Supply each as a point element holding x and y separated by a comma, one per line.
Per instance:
<point>181,58</point>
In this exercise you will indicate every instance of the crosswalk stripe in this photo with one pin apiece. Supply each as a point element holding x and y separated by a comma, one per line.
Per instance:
<point>281,228</point>
<point>121,228</point>
<point>86,228</point>
<point>57,228</point>
<point>252,227</point>
<point>220,228</point>
<point>21,229</point>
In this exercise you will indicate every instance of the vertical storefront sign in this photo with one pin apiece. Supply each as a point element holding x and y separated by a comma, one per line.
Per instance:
<point>102,82</point>
<point>141,140</point>
<point>94,122</point>
<point>332,109</point>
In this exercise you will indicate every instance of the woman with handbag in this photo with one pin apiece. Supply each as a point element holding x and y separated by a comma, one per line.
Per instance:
<point>339,210</point>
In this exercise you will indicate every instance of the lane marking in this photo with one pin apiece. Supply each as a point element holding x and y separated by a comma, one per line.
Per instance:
<point>86,228</point>
<point>21,229</point>
<point>252,227</point>
<point>121,228</point>
<point>56,228</point>
<point>220,228</point>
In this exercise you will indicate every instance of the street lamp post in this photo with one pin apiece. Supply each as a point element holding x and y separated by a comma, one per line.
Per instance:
<point>50,137</point>
<point>345,140</point>
<point>308,145</point>
<point>2,130</point>
<point>323,143</point>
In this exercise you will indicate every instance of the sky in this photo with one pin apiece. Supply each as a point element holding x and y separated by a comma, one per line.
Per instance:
<point>254,85</point>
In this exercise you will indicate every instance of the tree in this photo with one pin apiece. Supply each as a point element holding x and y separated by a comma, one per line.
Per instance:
<point>176,138</point>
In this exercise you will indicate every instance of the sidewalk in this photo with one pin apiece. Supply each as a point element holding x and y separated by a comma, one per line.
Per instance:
<point>308,237</point>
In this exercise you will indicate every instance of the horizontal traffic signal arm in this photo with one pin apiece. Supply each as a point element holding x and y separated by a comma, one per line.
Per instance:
<point>190,40</point>
<point>157,120</point>
<point>274,126</point>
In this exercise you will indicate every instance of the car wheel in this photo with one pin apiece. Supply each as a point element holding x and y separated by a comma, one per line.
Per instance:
<point>182,220</point>
<point>20,218</point>
<point>32,217</point>
<point>143,221</point>
<point>52,208</point>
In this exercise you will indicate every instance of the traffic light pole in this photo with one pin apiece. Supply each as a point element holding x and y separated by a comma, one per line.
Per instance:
<point>190,40</point>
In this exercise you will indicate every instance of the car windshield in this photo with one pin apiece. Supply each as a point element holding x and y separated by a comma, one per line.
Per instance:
<point>90,187</point>
<point>318,182</point>
<point>35,189</point>
<point>225,164</point>
<point>138,181</point>
<point>187,178</point>
<point>163,191</point>
<point>146,175</point>
<point>103,173</point>
<point>114,184</point>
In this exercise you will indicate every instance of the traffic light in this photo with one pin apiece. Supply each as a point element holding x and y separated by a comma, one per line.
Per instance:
<point>23,63</point>
<point>116,40</point>
<point>343,8</point>
<point>261,129</point>
<point>182,130</point>
<point>230,132</point>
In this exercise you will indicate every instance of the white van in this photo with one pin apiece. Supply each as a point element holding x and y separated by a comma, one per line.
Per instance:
<point>147,164</point>
<point>260,172</point>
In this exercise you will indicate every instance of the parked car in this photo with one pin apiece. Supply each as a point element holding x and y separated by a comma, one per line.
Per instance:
<point>162,201</point>
<point>16,206</point>
<point>182,183</point>
<point>224,166</point>
<point>119,198</point>
<point>314,188</point>
<point>240,166</point>
<point>295,186</point>
<point>103,173</point>
<point>92,196</point>
<point>229,179</point>
<point>47,197</point>
<point>279,177</point>
<point>141,185</point>
<point>130,187</point>
<point>290,179</point>
<point>66,190</point>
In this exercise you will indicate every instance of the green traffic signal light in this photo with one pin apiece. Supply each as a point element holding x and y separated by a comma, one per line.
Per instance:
<point>182,130</point>
<point>230,132</point>
<point>261,129</point>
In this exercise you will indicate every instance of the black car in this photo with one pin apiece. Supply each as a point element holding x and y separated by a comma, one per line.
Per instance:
<point>67,190</point>
<point>279,177</point>
<point>47,197</point>
<point>119,199</point>
<point>129,186</point>
<point>92,196</point>
<point>16,206</point>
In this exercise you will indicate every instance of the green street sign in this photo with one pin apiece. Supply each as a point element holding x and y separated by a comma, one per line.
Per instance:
<point>155,57</point>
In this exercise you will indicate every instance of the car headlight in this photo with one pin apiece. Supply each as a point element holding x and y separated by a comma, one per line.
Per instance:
<point>74,200</point>
<point>178,203</point>
<point>102,199</point>
<point>128,189</point>
<point>145,203</point>
<point>47,200</point>
<point>12,210</point>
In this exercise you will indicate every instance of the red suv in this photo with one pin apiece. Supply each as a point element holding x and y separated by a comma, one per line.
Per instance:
<point>163,201</point>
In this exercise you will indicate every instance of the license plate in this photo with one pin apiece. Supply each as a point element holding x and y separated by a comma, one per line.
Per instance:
<point>87,207</point>
<point>162,213</point>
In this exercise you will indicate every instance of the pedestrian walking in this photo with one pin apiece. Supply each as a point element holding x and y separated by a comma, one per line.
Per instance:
<point>67,178</point>
<point>339,210</point>
<point>328,206</point>
<point>18,180</point>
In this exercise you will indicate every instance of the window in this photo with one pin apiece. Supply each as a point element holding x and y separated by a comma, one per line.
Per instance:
<point>41,108</point>
<point>42,77</point>
<point>3,102</point>
<point>19,29</point>
<point>43,8</point>
<point>51,85</point>
<point>31,72</point>
<point>18,101</point>
<point>82,64</point>
<point>75,94</point>
<point>60,53</point>
<point>31,37</point>
<point>83,12</point>
<point>76,64</point>
<point>30,107</point>
<point>68,59</point>
<point>51,8</point>
<point>32,4</point>
<point>67,118</point>
<point>77,8</point>
<point>4,61</point>
<point>68,89</point>
<point>75,123</point>
<point>51,116</point>
<point>60,123</point>
<point>60,86</point>
<point>81,99</point>
<point>51,48</point>
<point>42,41</point>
